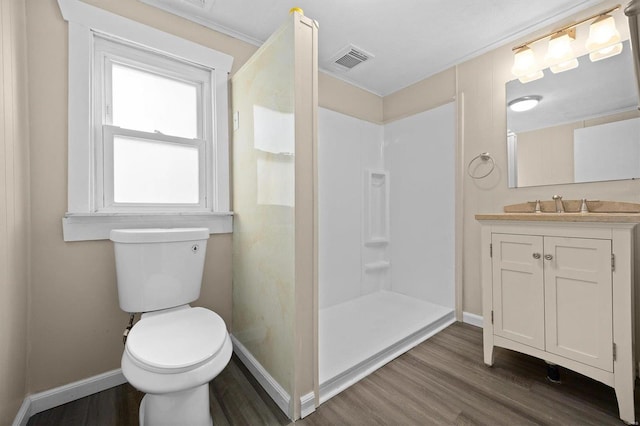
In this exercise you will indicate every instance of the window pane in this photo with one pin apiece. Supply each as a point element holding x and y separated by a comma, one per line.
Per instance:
<point>154,172</point>
<point>149,102</point>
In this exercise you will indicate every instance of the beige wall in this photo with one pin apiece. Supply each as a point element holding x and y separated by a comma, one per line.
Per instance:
<point>421,96</point>
<point>75,324</point>
<point>342,97</point>
<point>545,156</point>
<point>482,128</point>
<point>483,83</point>
<point>14,209</point>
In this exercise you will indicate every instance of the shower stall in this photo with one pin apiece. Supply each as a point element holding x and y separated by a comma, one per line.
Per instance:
<point>343,238</point>
<point>386,224</point>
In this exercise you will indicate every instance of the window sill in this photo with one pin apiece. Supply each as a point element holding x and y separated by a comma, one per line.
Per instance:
<point>96,226</point>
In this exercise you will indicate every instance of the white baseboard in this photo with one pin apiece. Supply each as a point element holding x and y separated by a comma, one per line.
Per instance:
<point>38,402</point>
<point>270,385</point>
<point>307,404</point>
<point>22,417</point>
<point>334,386</point>
<point>472,319</point>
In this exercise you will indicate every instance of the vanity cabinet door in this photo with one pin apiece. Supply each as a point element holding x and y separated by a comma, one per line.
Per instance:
<point>578,293</point>
<point>518,290</point>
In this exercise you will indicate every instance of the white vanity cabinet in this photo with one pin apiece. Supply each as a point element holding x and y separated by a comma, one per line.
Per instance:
<point>562,291</point>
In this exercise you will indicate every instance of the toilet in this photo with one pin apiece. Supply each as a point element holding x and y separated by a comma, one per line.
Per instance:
<point>174,350</point>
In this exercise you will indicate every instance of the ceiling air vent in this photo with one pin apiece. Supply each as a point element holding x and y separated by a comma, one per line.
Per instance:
<point>349,57</point>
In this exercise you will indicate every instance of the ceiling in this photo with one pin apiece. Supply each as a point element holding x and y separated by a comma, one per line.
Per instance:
<point>409,39</point>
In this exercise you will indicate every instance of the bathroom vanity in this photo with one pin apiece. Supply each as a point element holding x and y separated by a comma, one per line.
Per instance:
<point>560,287</point>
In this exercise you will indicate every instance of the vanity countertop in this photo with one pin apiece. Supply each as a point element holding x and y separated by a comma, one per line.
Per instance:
<point>563,217</point>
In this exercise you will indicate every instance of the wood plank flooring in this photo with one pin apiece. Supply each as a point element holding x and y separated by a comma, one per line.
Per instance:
<point>440,382</point>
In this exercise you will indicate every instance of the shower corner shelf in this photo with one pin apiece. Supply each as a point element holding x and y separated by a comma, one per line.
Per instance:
<point>376,205</point>
<point>377,266</point>
<point>376,242</point>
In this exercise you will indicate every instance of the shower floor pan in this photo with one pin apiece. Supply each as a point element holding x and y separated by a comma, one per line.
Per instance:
<point>359,336</point>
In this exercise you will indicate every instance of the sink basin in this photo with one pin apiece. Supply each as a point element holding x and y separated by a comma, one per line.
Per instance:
<point>573,206</point>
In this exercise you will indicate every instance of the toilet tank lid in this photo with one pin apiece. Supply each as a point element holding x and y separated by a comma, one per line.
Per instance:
<point>157,235</point>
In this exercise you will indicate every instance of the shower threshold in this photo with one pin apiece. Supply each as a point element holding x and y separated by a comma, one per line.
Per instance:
<point>361,335</point>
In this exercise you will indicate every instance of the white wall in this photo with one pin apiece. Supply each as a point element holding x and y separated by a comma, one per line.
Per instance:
<point>608,151</point>
<point>420,157</point>
<point>346,148</point>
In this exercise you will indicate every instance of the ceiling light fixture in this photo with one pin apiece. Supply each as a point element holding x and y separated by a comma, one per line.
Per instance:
<point>525,103</point>
<point>603,42</point>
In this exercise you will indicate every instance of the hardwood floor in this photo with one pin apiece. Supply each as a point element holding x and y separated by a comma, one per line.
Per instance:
<point>236,399</point>
<point>442,381</point>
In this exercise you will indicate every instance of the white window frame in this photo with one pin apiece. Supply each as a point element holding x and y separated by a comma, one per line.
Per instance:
<point>83,220</point>
<point>108,52</point>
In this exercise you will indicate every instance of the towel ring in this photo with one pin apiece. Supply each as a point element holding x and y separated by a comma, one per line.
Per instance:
<point>485,156</point>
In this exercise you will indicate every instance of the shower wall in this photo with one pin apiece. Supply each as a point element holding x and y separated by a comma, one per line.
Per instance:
<point>420,157</point>
<point>274,101</point>
<point>415,158</point>
<point>347,147</point>
<point>264,228</point>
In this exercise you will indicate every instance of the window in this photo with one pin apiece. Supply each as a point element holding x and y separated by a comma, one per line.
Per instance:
<point>153,130</point>
<point>148,136</point>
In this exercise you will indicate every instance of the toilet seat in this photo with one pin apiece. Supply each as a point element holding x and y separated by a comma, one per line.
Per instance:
<point>176,341</point>
<point>162,383</point>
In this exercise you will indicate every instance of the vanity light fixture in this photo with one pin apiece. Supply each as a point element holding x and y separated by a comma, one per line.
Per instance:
<point>604,38</point>
<point>560,56</point>
<point>525,66</point>
<point>603,42</point>
<point>524,103</point>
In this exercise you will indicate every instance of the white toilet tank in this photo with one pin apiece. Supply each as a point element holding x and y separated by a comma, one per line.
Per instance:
<point>158,268</point>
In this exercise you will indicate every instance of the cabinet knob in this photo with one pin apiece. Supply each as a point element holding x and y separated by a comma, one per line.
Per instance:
<point>536,255</point>
<point>548,256</point>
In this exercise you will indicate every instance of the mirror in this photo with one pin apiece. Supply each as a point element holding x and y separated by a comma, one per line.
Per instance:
<point>585,128</point>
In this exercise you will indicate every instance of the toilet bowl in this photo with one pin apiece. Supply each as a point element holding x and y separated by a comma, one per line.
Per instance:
<point>171,356</point>
<point>174,350</point>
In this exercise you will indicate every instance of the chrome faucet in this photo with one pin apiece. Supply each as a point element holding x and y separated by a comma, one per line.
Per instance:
<point>584,208</point>
<point>559,205</point>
